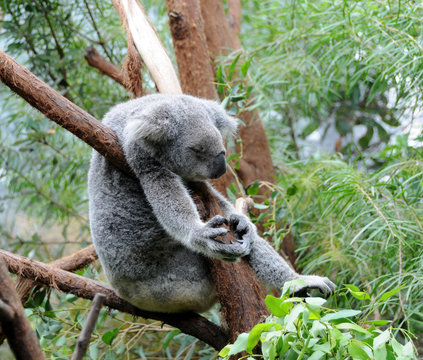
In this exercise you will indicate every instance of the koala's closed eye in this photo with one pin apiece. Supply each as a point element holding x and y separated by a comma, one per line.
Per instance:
<point>198,150</point>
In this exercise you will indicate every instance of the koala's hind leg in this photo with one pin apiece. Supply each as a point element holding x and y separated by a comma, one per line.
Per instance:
<point>274,271</point>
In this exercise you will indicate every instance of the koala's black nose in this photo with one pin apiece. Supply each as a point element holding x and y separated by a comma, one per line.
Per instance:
<point>219,166</point>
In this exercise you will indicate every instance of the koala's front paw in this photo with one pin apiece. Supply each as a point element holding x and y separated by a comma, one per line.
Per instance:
<point>326,286</point>
<point>242,227</point>
<point>204,240</point>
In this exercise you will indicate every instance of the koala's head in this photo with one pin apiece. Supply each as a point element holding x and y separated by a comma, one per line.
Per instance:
<point>185,134</point>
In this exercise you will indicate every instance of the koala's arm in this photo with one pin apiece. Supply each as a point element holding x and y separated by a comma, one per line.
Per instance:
<point>269,266</point>
<point>175,210</point>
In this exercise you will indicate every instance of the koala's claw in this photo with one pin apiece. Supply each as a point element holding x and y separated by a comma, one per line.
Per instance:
<point>245,243</point>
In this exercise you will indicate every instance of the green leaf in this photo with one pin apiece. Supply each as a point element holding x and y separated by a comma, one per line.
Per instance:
<point>315,301</point>
<point>292,190</point>
<point>291,318</point>
<point>277,306</point>
<point>254,336</point>
<point>244,67</point>
<point>380,353</point>
<point>253,189</point>
<point>109,336</point>
<point>377,322</point>
<point>340,315</point>
<point>357,352</point>
<point>232,67</point>
<point>225,351</point>
<point>381,339</point>
<point>232,156</point>
<point>354,327</point>
<point>261,206</point>
<point>168,338</point>
<point>239,345</point>
<point>391,293</point>
<point>317,355</point>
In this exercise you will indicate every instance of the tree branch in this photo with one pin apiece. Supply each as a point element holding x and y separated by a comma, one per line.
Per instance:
<point>15,325</point>
<point>149,45</point>
<point>105,67</point>
<point>85,336</point>
<point>74,262</point>
<point>47,275</point>
<point>62,111</point>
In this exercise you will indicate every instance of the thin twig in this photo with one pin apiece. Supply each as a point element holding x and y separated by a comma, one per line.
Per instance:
<point>84,338</point>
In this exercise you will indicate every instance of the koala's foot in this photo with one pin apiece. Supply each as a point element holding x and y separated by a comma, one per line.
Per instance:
<point>204,240</point>
<point>326,286</point>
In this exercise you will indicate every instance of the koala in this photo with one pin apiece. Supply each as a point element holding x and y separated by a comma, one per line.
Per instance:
<point>146,229</point>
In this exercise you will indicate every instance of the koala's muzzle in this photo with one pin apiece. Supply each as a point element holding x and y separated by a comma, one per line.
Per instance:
<point>219,166</point>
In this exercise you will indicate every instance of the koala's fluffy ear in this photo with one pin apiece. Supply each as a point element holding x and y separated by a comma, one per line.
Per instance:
<point>227,125</point>
<point>155,125</point>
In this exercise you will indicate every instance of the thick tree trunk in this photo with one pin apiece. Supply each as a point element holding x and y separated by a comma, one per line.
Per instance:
<point>15,325</point>
<point>240,293</point>
<point>195,71</point>
<point>256,163</point>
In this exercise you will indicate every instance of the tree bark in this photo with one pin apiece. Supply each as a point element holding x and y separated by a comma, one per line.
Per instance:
<point>240,293</point>
<point>189,323</point>
<point>20,336</point>
<point>73,262</point>
<point>195,71</point>
<point>256,162</point>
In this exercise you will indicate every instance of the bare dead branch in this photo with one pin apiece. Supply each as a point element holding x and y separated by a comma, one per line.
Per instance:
<point>20,336</point>
<point>149,45</point>
<point>85,336</point>
<point>189,323</point>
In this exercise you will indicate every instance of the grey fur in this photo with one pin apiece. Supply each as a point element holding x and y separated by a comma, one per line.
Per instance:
<point>147,231</point>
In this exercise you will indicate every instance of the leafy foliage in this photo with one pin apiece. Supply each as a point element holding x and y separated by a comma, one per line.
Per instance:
<point>339,64</point>
<point>306,329</point>
<point>359,227</point>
